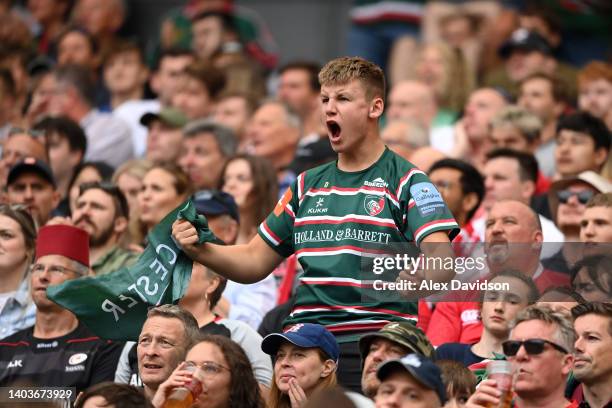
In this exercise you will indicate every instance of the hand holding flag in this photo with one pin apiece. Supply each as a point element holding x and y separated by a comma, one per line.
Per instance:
<point>114,306</point>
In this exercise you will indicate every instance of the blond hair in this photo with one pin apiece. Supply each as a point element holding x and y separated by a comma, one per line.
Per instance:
<point>600,200</point>
<point>564,330</point>
<point>460,76</point>
<point>528,124</point>
<point>341,71</point>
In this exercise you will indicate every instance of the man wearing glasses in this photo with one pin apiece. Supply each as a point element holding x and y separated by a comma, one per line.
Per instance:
<point>57,351</point>
<point>513,240</point>
<point>540,351</point>
<point>567,199</point>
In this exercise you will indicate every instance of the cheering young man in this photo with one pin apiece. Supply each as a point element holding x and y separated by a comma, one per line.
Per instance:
<point>336,214</point>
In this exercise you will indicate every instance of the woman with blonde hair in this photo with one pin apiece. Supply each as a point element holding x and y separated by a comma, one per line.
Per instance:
<point>17,247</point>
<point>128,177</point>
<point>446,70</point>
<point>305,361</point>
<point>164,187</point>
<point>226,376</point>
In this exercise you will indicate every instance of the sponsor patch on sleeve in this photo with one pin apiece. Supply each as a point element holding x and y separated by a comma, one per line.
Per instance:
<point>282,203</point>
<point>427,199</point>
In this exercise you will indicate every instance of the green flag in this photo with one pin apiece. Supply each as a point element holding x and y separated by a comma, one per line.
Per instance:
<point>114,306</point>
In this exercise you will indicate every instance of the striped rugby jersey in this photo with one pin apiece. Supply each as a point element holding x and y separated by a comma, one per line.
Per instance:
<point>331,219</point>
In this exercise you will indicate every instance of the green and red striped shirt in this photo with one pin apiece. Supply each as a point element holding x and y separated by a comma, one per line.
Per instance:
<point>331,219</point>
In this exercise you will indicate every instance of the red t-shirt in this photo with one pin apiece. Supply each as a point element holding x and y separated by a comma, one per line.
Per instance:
<point>572,404</point>
<point>455,322</point>
<point>542,184</point>
<point>459,322</point>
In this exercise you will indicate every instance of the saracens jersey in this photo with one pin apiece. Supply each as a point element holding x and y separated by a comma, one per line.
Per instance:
<point>331,219</point>
<point>79,359</point>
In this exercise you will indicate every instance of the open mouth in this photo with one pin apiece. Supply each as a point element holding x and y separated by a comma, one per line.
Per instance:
<point>334,130</point>
<point>150,366</point>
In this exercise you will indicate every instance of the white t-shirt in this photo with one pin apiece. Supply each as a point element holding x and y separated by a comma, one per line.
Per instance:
<point>131,112</point>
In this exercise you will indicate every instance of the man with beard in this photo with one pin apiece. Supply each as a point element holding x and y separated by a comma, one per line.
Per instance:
<point>58,351</point>
<point>394,340</point>
<point>593,355</point>
<point>102,211</point>
<point>513,240</point>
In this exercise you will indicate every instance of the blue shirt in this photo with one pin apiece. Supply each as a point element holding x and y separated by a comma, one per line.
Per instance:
<point>19,311</point>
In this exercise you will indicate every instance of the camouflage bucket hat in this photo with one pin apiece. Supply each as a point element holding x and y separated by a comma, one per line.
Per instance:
<point>405,334</point>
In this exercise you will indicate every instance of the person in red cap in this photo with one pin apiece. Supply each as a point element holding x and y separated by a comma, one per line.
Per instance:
<point>57,351</point>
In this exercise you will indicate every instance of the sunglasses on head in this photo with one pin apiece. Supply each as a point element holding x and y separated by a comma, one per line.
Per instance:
<point>583,196</point>
<point>532,346</point>
<point>35,133</point>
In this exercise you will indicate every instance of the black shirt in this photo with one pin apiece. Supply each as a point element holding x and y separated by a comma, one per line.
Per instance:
<point>79,359</point>
<point>459,352</point>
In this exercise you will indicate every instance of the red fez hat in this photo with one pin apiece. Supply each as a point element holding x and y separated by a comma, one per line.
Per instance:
<point>65,240</point>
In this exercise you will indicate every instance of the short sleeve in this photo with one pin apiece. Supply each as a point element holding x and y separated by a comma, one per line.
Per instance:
<point>106,361</point>
<point>425,209</point>
<point>277,229</point>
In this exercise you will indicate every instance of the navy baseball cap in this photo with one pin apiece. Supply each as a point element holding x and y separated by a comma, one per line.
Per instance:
<point>30,165</point>
<point>305,335</point>
<point>421,368</point>
<point>215,202</point>
<point>523,39</point>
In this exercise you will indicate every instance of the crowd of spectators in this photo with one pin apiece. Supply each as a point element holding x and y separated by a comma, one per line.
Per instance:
<point>504,108</point>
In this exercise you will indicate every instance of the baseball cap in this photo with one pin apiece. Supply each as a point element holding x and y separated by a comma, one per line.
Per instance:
<point>591,178</point>
<point>30,165</point>
<point>523,39</point>
<point>305,335</point>
<point>405,334</point>
<point>169,116</point>
<point>65,240</point>
<point>421,368</point>
<point>215,202</point>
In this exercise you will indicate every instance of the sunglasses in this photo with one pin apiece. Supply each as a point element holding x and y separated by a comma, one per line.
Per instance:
<point>583,196</point>
<point>35,133</point>
<point>532,346</point>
